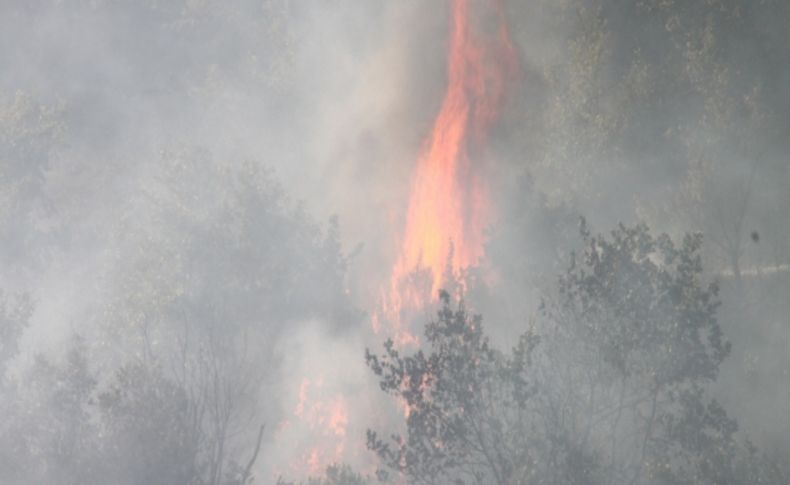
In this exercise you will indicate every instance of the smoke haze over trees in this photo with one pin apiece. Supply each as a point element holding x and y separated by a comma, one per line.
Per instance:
<point>201,200</point>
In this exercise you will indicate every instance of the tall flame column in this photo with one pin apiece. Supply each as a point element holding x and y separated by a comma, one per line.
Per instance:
<point>449,202</point>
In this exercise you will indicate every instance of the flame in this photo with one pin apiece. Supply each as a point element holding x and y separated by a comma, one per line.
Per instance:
<point>449,202</point>
<point>323,415</point>
<point>447,211</point>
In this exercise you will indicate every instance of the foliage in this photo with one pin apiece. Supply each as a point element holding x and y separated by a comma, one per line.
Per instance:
<point>633,313</point>
<point>48,436</point>
<point>149,429</point>
<point>222,265</point>
<point>461,399</point>
<point>29,133</point>
<point>335,475</point>
<point>223,246</point>
<point>609,386</point>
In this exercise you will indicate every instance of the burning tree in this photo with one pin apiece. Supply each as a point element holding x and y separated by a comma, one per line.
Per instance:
<point>461,400</point>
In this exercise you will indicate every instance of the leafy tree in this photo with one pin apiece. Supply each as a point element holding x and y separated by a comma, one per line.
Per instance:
<point>463,400</point>
<point>632,341</point>
<point>148,429</point>
<point>141,428</point>
<point>222,247</point>
<point>223,266</point>
<point>613,391</point>
<point>29,133</point>
<point>48,436</point>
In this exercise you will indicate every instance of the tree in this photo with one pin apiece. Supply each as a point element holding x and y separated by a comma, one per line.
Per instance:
<point>29,133</point>
<point>461,400</point>
<point>609,386</point>
<point>221,268</point>
<point>47,435</point>
<point>216,268</point>
<point>148,430</point>
<point>221,247</point>
<point>632,341</point>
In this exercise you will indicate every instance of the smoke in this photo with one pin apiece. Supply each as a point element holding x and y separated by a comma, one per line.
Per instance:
<point>98,98</point>
<point>329,97</point>
<point>328,402</point>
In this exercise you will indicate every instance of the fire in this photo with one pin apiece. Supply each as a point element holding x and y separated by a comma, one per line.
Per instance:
<point>447,211</point>
<point>323,414</point>
<point>449,202</point>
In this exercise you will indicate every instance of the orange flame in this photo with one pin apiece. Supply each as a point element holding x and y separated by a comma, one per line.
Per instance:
<point>447,212</point>
<point>325,418</point>
<point>448,206</point>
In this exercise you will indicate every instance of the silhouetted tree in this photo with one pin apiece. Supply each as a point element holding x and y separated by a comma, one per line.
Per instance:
<point>463,402</point>
<point>609,386</point>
